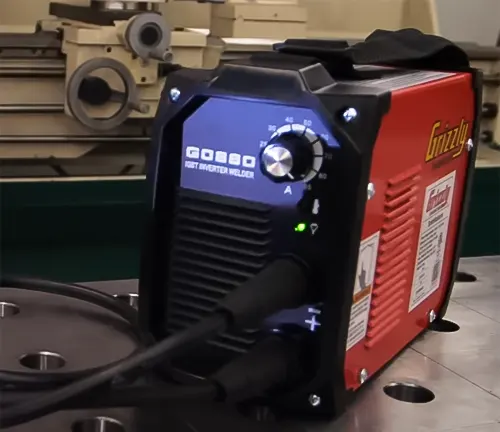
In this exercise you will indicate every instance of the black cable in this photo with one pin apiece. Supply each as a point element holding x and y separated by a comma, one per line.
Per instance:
<point>46,380</point>
<point>281,285</point>
<point>277,357</point>
<point>56,399</point>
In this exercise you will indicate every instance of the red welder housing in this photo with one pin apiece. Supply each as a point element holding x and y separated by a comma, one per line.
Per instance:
<point>418,171</point>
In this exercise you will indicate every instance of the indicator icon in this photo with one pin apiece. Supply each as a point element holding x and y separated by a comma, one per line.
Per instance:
<point>314,227</point>
<point>312,321</point>
<point>315,209</point>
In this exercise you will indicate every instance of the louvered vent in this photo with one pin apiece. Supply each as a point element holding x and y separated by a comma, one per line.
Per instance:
<point>216,248</point>
<point>393,276</point>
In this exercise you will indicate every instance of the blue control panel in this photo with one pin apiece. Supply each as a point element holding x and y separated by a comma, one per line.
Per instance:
<point>222,142</point>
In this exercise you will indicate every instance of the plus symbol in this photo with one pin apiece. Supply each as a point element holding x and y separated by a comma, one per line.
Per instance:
<point>313,323</point>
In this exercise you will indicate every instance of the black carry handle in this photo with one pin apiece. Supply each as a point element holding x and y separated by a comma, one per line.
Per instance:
<point>408,48</point>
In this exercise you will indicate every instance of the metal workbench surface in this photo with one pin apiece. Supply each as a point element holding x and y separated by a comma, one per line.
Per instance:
<point>462,369</point>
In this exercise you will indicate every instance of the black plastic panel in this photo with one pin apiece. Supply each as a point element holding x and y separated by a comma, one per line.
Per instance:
<point>216,248</point>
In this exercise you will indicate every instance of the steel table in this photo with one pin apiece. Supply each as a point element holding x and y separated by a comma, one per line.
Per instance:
<point>462,368</point>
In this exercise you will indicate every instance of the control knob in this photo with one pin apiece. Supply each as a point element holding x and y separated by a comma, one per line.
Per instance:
<point>290,156</point>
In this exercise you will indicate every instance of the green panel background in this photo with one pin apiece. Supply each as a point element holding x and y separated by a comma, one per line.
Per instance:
<point>88,230</point>
<point>98,235</point>
<point>482,236</point>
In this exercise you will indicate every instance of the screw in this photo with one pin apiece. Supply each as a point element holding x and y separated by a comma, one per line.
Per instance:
<point>432,316</point>
<point>371,190</point>
<point>349,115</point>
<point>174,94</point>
<point>314,400</point>
<point>363,376</point>
<point>469,145</point>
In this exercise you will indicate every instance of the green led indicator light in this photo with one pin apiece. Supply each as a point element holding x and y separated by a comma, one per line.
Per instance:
<point>301,227</point>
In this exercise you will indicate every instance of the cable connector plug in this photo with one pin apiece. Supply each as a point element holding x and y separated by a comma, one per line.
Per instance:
<point>281,285</point>
<point>271,363</point>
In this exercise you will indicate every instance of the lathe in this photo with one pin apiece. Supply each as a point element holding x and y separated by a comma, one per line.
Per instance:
<point>79,93</point>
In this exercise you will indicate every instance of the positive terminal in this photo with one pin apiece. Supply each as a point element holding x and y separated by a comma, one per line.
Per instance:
<point>363,376</point>
<point>314,400</point>
<point>349,115</point>
<point>174,94</point>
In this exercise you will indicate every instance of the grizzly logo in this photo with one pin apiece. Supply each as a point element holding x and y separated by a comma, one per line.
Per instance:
<point>447,140</point>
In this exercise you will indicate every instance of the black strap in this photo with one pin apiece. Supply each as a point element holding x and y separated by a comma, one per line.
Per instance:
<point>408,48</point>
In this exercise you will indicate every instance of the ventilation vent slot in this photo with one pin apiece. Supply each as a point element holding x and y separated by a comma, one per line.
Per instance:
<point>394,266</point>
<point>217,247</point>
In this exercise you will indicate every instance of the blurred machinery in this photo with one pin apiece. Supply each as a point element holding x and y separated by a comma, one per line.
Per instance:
<point>237,28</point>
<point>80,89</point>
<point>488,60</point>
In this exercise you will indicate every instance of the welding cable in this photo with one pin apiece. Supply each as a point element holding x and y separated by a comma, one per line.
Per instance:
<point>43,380</point>
<point>281,285</point>
<point>277,357</point>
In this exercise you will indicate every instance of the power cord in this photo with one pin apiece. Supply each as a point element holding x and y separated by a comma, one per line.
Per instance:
<point>281,285</point>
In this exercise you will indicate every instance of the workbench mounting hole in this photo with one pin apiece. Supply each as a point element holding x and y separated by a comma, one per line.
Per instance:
<point>409,392</point>
<point>131,299</point>
<point>42,361</point>
<point>8,309</point>
<point>444,326</point>
<point>98,424</point>
<point>465,277</point>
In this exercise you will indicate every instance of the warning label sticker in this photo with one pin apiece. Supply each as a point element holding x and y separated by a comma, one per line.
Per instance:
<point>432,241</point>
<point>363,284</point>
